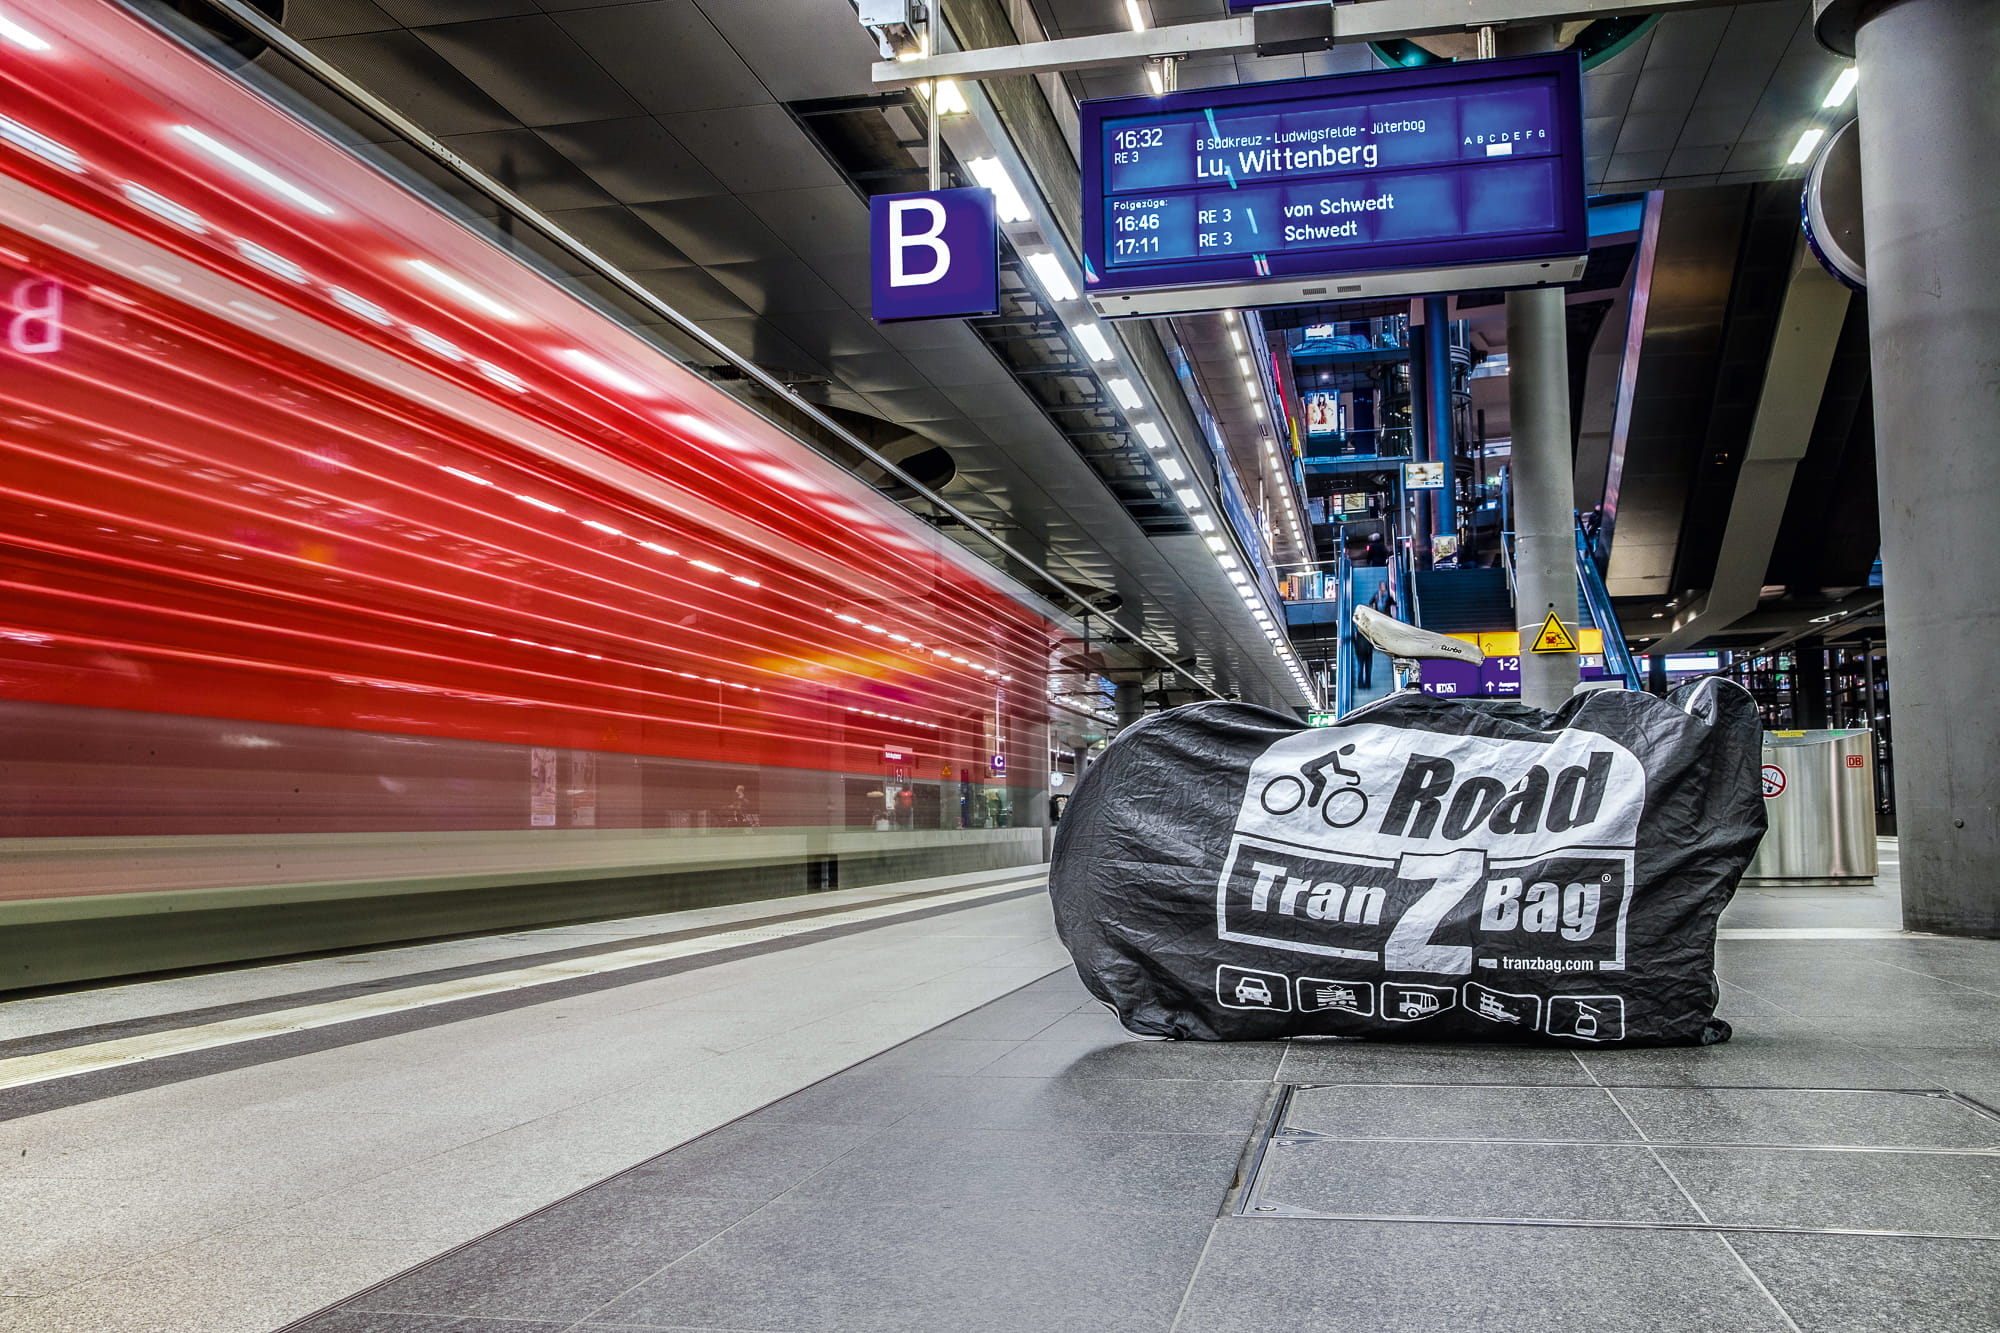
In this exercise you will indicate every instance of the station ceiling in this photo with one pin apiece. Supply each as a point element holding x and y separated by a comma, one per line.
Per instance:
<point>716,150</point>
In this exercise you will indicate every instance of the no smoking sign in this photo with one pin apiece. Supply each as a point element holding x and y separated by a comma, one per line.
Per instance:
<point>1773,779</point>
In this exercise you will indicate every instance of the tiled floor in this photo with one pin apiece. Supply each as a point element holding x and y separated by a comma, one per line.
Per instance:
<point>1028,1168</point>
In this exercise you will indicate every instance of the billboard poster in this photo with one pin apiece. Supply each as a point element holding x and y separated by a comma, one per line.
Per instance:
<point>1322,412</point>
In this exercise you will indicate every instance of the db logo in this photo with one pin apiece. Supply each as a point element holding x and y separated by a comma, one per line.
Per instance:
<point>1857,761</point>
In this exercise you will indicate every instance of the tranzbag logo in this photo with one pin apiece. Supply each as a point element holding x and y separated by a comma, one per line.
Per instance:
<point>1427,853</point>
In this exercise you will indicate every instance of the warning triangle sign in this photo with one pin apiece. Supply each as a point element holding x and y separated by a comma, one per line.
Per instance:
<point>1554,637</point>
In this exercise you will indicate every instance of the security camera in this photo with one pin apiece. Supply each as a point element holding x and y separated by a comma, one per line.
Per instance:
<point>896,25</point>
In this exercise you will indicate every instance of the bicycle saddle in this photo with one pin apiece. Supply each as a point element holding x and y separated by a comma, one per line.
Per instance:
<point>1400,640</point>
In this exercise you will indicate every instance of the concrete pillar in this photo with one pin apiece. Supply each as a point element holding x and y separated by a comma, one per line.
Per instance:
<point>1131,701</point>
<point>1656,674</point>
<point>1930,116</point>
<point>1437,409</point>
<point>1544,468</point>
<point>1423,449</point>
<point>1809,683</point>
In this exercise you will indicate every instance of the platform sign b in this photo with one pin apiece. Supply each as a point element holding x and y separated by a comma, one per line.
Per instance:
<point>935,255</point>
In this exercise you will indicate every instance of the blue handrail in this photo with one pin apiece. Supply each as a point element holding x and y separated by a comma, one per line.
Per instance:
<point>1343,666</point>
<point>1617,655</point>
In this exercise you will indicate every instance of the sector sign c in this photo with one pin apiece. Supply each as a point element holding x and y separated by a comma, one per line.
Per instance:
<point>1433,170</point>
<point>935,255</point>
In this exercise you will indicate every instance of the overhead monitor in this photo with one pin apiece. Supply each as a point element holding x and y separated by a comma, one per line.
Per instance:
<point>1449,177</point>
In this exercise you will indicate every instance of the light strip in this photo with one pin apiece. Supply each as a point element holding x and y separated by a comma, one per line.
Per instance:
<point>1091,338</point>
<point>463,290</point>
<point>41,145</point>
<point>1843,86</point>
<point>603,371</point>
<point>255,170</point>
<point>1007,200</point>
<point>21,37</point>
<point>1050,273</point>
<point>1803,149</point>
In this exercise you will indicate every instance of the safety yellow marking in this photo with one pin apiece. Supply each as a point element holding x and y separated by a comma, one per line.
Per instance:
<point>40,1068</point>
<point>1555,636</point>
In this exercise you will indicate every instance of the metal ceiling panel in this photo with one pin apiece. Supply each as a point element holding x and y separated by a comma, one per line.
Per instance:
<point>418,13</point>
<point>666,54</point>
<point>634,160</point>
<point>753,149</point>
<point>532,68</point>
<point>807,51</point>
<point>400,69</point>
<point>338,18</point>
<point>715,229</point>
<point>844,332</point>
<point>826,220</point>
<point>778,286</point>
<point>532,168</point>
<point>621,236</point>
<point>756,339</point>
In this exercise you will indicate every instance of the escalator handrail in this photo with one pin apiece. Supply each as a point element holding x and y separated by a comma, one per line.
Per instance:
<point>1617,653</point>
<point>1343,661</point>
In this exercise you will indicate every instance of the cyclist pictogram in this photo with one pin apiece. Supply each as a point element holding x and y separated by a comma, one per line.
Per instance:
<point>1342,807</point>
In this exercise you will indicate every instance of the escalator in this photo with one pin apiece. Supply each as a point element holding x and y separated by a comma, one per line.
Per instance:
<point>1467,602</point>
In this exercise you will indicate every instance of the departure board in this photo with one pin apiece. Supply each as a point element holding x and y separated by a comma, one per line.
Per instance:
<point>1439,167</point>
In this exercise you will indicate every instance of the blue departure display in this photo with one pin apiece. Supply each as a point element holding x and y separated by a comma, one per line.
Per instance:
<point>1402,168</point>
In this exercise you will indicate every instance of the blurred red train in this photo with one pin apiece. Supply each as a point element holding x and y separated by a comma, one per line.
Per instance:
<point>358,583</point>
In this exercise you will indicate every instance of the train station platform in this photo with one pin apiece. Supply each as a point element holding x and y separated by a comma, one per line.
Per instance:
<point>896,1109</point>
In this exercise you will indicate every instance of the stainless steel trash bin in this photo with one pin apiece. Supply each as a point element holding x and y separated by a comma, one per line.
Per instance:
<point>1819,791</point>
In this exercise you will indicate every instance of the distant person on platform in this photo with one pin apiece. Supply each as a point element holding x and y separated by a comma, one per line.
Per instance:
<point>1384,601</point>
<point>1376,553</point>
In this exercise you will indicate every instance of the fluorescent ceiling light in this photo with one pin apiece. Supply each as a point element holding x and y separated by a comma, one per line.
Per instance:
<point>1173,470</point>
<point>1007,199</point>
<point>1203,523</point>
<point>1049,272</point>
<point>255,170</point>
<point>1217,545</point>
<point>21,37</point>
<point>950,97</point>
<point>1803,149</point>
<point>1136,15</point>
<point>1189,498</point>
<point>1150,433</point>
<point>1154,81</point>
<point>462,289</point>
<point>1843,87</point>
<point>603,372</point>
<point>1122,390</point>
<point>1094,343</point>
<point>1243,364</point>
<point>1227,562</point>
<point>1236,339</point>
